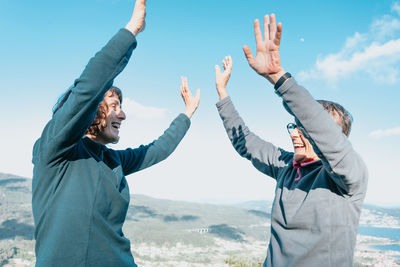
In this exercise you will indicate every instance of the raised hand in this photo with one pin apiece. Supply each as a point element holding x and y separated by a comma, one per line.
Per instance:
<point>191,102</point>
<point>222,78</point>
<point>137,22</point>
<point>267,61</point>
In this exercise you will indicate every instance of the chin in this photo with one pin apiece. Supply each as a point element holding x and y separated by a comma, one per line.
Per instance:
<point>112,139</point>
<point>299,158</point>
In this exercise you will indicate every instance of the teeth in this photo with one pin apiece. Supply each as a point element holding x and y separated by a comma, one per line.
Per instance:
<point>116,125</point>
<point>298,145</point>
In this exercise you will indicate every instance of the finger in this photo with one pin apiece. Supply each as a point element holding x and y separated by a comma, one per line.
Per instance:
<point>224,64</point>
<point>140,5</point>
<point>272,27</point>
<point>182,84</point>
<point>266,26</point>
<point>140,2</point>
<point>257,32</point>
<point>247,53</point>
<point>230,62</point>
<point>217,70</point>
<point>198,94</point>
<point>182,91</point>
<point>227,62</point>
<point>186,84</point>
<point>278,34</point>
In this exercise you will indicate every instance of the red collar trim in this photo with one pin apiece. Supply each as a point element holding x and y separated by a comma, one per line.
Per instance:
<point>298,165</point>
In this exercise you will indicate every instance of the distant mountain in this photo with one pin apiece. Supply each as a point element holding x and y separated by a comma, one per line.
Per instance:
<point>175,233</point>
<point>261,205</point>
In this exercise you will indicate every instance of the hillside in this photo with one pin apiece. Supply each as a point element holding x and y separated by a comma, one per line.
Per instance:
<point>176,233</point>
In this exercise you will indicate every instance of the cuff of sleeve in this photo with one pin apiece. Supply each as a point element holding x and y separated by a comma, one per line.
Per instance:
<point>128,37</point>
<point>222,102</point>
<point>285,86</point>
<point>281,90</point>
<point>184,119</point>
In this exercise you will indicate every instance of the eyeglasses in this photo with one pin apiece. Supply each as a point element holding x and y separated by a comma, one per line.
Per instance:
<point>290,127</point>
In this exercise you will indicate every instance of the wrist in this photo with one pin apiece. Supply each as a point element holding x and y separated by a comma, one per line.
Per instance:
<point>134,28</point>
<point>130,27</point>
<point>282,80</point>
<point>188,113</point>
<point>222,93</point>
<point>273,78</point>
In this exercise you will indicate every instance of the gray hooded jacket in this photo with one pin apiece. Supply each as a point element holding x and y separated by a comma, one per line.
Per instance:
<point>317,205</point>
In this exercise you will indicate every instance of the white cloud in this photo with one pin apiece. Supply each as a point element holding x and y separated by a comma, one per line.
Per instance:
<point>375,53</point>
<point>396,8</point>
<point>302,40</point>
<point>354,41</point>
<point>385,133</point>
<point>139,111</point>
<point>373,60</point>
<point>387,26</point>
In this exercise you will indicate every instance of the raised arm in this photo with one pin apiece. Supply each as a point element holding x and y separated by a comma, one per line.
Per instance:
<point>267,62</point>
<point>222,78</point>
<point>266,157</point>
<point>134,160</point>
<point>332,146</point>
<point>191,102</point>
<point>70,122</point>
<point>137,22</point>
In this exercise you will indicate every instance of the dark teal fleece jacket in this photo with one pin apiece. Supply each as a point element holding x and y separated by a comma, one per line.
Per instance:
<point>80,194</point>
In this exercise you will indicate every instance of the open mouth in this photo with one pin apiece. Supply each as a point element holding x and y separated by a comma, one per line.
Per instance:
<point>298,145</point>
<point>116,125</point>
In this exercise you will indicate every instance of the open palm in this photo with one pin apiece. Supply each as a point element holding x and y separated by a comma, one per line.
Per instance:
<point>267,60</point>
<point>191,102</point>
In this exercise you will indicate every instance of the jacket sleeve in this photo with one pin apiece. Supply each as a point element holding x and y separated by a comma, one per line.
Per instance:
<point>266,157</point>
<point>72,120</point>
<point>140,158</point>
<point>344,165</point>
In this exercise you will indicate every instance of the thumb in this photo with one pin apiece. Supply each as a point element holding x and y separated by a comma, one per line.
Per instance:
<point>198,94</point>
<point>247,53</point>
<point>217,69</point>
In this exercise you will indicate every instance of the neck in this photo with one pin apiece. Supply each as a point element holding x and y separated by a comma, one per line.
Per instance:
<point>96,138</point>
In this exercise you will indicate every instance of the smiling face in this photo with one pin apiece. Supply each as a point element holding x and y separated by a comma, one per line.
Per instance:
<point>303,150</point>
<point>111,123</point>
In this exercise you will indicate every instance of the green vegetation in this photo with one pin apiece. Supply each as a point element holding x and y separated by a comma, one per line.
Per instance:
<point>227,232</point>
<point>234,261</point>
<point>164,232</point>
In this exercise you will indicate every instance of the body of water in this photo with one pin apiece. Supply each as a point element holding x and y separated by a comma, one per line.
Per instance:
<point>391,233</point>
<point>393,247</point>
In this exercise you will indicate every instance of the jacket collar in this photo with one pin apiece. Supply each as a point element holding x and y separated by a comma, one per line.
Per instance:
<point>95,147</point>
<point>298,165</point>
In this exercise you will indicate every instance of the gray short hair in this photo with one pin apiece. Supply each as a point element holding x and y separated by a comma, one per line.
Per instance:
<point>339,114</point>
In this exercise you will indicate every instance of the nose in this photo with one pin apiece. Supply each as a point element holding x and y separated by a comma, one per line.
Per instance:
<point>121,115</point>
<point>295,133</point>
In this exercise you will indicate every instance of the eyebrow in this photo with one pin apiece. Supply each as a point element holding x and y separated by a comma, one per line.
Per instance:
<point>115,102</point>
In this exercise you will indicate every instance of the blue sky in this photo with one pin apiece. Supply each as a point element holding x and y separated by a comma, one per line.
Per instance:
<point>345,51</point>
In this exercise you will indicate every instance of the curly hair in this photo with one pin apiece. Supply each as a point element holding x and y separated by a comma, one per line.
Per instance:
<point>99,122</point>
